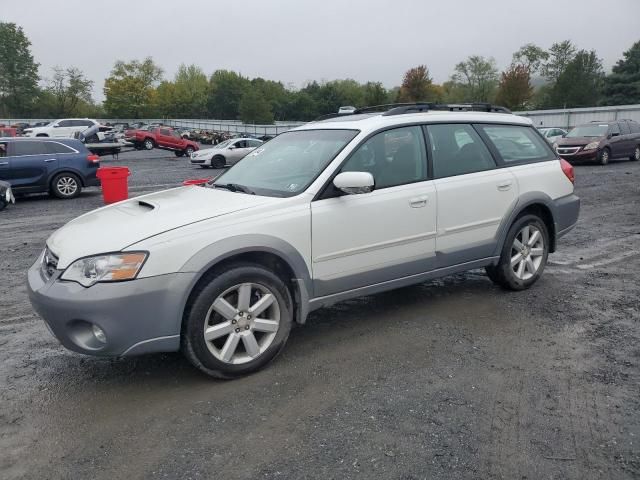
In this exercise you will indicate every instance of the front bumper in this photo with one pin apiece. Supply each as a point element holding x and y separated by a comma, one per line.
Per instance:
<point>198,161</point>
<point>140,316</point>
<point>581,156</point>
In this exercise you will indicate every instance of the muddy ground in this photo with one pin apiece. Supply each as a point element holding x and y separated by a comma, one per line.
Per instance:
<point>451,379</point>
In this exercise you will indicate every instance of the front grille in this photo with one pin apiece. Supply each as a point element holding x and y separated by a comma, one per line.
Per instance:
<point>567,150</point>
<point>193,160</point>
<point>49,262</point>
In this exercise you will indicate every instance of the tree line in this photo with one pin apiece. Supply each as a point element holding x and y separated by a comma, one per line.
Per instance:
<point>561,76</point>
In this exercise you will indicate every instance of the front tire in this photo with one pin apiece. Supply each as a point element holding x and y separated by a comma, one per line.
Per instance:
<point>636,154</point>
<point>524,254</point>
<point>188,151</point>
<point>604,156</point>
<point>237,322</point>
<point>218,162</point>
<point>66,186</point>
<point>148,144</point>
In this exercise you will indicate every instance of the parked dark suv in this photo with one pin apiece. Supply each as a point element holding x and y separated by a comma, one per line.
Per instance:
<point>601,142</point>
<point>61,167</point>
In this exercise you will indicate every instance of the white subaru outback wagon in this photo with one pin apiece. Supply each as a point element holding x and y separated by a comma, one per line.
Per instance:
<point>332,210</point>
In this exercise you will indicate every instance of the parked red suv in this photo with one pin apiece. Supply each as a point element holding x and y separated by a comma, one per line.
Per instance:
<point>601,142</point>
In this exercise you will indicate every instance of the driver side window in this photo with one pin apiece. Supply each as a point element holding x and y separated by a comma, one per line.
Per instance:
<point>394,157</point>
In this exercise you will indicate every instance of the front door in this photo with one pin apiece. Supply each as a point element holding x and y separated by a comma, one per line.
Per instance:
<point>4,161</point>
<point>363,239</point>
<point>29,164</point>
<point>473,195</point>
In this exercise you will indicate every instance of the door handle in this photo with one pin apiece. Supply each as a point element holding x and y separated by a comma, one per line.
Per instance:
<point>504,186</point>
<point>50,160</point>
<point>418,202</point>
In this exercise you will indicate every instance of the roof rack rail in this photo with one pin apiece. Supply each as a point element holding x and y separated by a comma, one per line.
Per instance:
<point>389,109</point>
<point>450,107</point>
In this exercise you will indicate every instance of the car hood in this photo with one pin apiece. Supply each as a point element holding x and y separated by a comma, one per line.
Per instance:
<point>577,140</point>
<point>115,227</point>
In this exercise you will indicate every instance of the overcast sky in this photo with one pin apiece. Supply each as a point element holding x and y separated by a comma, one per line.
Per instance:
<point>295,41</point>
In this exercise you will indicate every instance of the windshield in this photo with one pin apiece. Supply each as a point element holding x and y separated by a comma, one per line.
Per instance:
<point>596,130</point>
<point>286,165</point>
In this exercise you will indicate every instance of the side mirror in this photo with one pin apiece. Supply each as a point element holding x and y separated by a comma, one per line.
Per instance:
<point>613,134</point>
<point>232,147</point>
<point>353,183</point>
<point>56,126</point>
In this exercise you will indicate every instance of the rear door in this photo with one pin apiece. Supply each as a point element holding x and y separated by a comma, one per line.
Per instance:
<point>236,151</point>
<point>165,139</point>
<point>30,163</point>
<point>474,195</point>
<point>626,139</point>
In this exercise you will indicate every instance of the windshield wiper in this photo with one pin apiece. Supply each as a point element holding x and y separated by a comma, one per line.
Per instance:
<point>234,187</point>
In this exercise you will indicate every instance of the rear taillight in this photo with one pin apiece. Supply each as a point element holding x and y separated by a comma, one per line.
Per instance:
<point>93,158</point>
<point>567,169</point>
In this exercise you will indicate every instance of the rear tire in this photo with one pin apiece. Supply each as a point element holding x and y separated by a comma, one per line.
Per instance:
<point>636,154</point>
<point>218,162</point>
<point>604,156</point>
<point>524,254</point>
<point>219,335</point>
<point>66,186</point>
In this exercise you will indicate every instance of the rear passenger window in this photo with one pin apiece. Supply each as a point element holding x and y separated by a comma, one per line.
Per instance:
<point>393,157</point>
<point>55,147</point>
<point>624,128</point>
<point>29,148</point>
<point>518,144</point>
<point>457,149</point>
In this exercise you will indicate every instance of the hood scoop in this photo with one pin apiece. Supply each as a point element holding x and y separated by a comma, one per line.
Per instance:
<point>137,207</point>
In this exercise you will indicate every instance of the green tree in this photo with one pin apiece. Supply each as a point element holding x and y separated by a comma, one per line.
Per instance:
<point>514,89</point>
<point>191,89</point>
<point>580,84</point>
<point>226,89</point>
<point>375,94</point>
<point>531,57</point>
<point>478,77</point>
<point>130,89</point>
<point>254,108</point>
<point>622,86</point>
<point>560,55</point>
<point>18,71</point>
<point>70,90</point>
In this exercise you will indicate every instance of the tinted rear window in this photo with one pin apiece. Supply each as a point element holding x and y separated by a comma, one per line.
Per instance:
<point>55,147</point>
<point>518,143</point>
<point>29,148</point>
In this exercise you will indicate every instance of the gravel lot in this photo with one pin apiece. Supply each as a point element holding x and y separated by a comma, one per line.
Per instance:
<point>449,379</point>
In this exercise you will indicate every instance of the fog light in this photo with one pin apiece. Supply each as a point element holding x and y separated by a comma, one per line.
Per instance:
<point>99,334</point>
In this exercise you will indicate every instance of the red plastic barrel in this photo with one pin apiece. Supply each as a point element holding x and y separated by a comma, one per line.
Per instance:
<point>114,183</point>
<point>196,181</point>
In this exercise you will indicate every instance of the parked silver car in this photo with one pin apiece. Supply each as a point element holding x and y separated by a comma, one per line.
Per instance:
<point>552,134</point>
<point>226,153</point>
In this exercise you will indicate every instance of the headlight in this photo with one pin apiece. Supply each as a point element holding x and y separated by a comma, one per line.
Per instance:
<point>591,146</point>
<point>112,267</point>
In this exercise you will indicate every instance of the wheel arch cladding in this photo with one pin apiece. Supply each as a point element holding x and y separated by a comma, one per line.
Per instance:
<point>537,203</point>
<point>273,253</point>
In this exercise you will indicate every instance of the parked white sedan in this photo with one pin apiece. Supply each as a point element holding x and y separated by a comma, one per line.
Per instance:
<point>226,153</point>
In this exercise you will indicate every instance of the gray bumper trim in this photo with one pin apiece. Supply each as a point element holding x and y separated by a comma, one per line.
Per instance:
<point>139,316</point>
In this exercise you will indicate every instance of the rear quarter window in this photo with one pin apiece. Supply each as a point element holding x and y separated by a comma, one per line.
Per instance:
<point>517,144</point>
<point>55,147</point>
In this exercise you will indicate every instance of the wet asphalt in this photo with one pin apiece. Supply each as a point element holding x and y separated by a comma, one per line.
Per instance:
<point>450,379</point>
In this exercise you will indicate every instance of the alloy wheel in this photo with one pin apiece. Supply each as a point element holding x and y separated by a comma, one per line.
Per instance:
<point>527,252</point>
<point>242,323</point>
<point>67,186</point>
<point>636,154</point>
